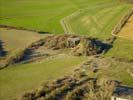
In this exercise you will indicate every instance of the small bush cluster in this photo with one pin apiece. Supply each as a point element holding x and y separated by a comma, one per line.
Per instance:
<point>90,46</point>
<point>56,42</point>
<point>130,71</point>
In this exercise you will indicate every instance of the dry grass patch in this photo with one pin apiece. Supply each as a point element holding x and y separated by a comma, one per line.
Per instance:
<point>15,40</point>
<point>127,30</point>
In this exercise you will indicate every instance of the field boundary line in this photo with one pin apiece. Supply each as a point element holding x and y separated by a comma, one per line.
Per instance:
<point>64,23</point>
<point>122,23</point>
<point>22,28</point>
<point>67,27</point>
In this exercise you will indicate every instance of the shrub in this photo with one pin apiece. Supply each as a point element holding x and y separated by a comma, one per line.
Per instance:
<point>28,96</point>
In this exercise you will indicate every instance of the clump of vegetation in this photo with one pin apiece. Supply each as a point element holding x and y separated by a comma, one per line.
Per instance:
<point>101,92</point>
<point>81,45</point>
<point>73,88</point>
<point>90,46</point>
<point>130,71</point>
<point>56,42</point>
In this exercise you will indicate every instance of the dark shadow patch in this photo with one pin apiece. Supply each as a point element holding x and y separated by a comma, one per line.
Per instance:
<point>123,91</point>
<point>41,32</point>
<point>2,51</point>
<point>102,47</point>
<point>27,54</point>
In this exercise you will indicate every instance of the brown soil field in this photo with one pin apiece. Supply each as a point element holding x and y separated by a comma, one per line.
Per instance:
<point>127,30</point>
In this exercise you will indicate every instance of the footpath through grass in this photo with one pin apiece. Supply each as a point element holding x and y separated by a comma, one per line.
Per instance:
<point>15,80</point>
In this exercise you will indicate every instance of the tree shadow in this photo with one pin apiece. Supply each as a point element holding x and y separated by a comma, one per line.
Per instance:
<point>103,47</point>
<point>2,51</point>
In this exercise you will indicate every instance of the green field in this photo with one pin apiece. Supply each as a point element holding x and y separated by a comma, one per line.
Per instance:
<point>84,17</point>
<point>117,71</point>
<point>94,18</point>
<point>97,22</point>
<point>42,15</point>
<point>15,80</point>
<point>122,48</point>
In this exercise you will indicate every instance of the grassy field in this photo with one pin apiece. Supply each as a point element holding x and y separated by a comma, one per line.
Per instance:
<point>41,15</point>
<point>15,80</point>
<point>114,70</point>
<point>97,22</point>
<point>95,18</point>
<point>122,48</point>
<point>117,71</point>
